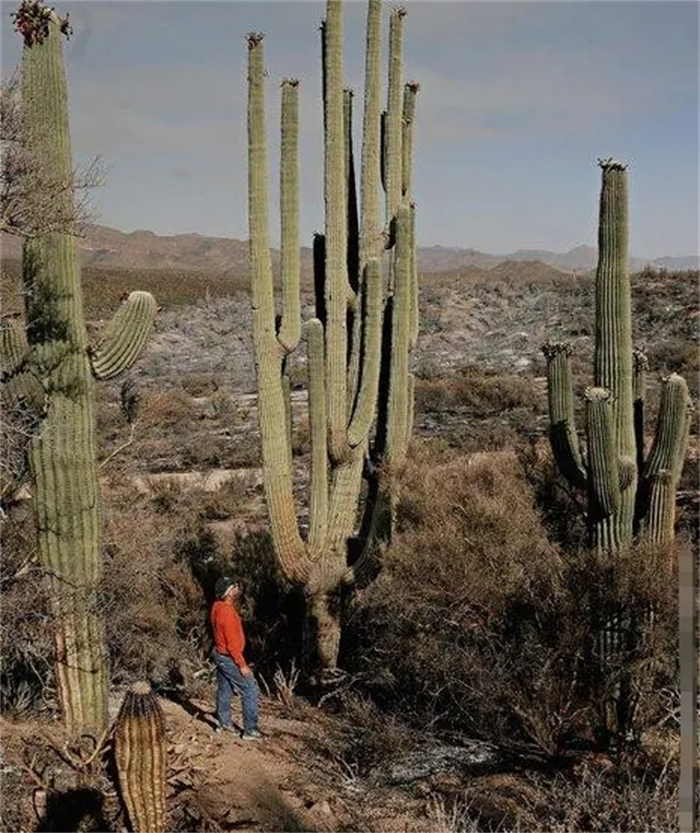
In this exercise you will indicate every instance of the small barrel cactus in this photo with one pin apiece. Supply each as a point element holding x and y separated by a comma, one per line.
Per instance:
<point>140,753</point>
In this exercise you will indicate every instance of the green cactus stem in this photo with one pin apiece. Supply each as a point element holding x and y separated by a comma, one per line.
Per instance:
<point>290,329</point>
<point>397,411</point>
<point>410,91</point>
<point>125,337</point>
<point>562,427</point>
<point>61,453</point>
<point>272,411</point>
<point>394,114</point>
<point>141,758</point>
<point>662,470</point>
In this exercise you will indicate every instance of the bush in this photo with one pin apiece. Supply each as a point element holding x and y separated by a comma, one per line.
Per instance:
<point>26,672</point>
<point>154,610</point>
<point>478,624</point>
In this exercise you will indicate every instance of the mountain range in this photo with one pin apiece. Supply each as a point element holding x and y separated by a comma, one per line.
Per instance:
<point>104,246</point>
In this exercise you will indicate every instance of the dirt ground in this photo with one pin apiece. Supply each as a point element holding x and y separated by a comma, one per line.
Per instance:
<point>290,780</point>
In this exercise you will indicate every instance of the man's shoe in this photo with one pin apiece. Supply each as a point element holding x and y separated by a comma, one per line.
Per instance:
<point>222,728</point>
<point>252,734</point>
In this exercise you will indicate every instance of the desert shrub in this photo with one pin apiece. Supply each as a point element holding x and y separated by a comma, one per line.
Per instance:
<point>154,610</point>
<point>674,356</point>
<point>479,624</point>
<point>363,736</point>
<point>26,671</point>
<point>593,796</point>
<point>199,384</point>
<point>166,410</point>
<point>561,507</point>
<point>479,392</point>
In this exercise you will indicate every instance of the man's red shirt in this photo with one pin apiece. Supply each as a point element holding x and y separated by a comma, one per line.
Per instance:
<point>228,631</point>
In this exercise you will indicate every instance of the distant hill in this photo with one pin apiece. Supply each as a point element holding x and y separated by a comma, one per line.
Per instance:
<point>104,246</point>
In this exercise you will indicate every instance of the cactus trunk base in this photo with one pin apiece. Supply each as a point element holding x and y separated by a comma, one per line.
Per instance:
<point>321,636</point>
<point>81,669</point>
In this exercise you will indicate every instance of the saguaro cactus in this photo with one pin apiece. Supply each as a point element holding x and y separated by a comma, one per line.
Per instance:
<point>140,755</point>
<point>357,346</point>
<point>624,492</point>
<point>48,368</point>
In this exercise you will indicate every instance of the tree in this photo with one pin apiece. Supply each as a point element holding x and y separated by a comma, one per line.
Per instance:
<point>31,194</point>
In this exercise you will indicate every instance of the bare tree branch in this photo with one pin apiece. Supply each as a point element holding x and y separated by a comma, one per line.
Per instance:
<point>31,196</point>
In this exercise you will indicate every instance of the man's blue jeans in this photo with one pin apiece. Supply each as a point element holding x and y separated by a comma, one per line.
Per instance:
<point>230,681</point>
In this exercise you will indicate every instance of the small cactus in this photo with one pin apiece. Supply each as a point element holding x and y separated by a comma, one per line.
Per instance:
<point>140,754</point>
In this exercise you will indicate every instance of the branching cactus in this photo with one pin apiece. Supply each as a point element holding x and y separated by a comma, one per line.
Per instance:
<point>360,388</point>
<point>140,756</point>
<point>624,492</point>
<point>49,370</point>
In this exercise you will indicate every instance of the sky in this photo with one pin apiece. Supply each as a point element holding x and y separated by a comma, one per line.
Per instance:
<point>517,101</point>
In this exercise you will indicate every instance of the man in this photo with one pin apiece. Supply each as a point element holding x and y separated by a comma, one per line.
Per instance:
<point>233,673</point>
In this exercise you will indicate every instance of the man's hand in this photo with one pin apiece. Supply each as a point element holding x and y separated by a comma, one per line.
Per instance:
<point>245,670</point>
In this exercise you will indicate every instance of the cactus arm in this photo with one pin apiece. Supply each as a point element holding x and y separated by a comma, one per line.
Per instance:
<point>414,324</point>
<point>603,474</point>
<point>370,231</point>
<point>277,474</point>
<point>370,242</point>
<point>353,256</point>
<point>17,378</point>
<point>604,478</point>
<point>346,482</point>
<point>373,291</point>
<point>410,91</point>
<point>23,404</point>
<point>290,329</point>
<point>337,289</point>
<point>140,753</point>
<point>663,468</point>
<point>410,411</point>
<point>125,337</point>
<point>409,114</point>
<point>640,365</point>
<point>394,116</point>
<point>398,373</point>
<point>286,383</point>
<point>13,348</point>
<point>353,220</point>
<point>562,428</point>
<point>318,498</point>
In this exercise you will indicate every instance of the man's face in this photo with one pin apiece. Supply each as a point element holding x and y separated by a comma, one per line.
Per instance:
<point>233,592</point>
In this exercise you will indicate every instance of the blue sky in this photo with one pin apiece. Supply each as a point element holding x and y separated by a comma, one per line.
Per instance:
<point>517,101</point>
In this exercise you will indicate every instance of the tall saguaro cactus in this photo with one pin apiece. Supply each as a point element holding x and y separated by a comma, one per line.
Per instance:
<point>360,388</point>
<point>624,492</point>
<point>48,368</point>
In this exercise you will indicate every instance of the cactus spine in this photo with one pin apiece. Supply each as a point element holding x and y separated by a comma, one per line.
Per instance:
<point>624,493</point>
<point>55,377</point>
<point>140,756</point>
<point>360,336</point>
